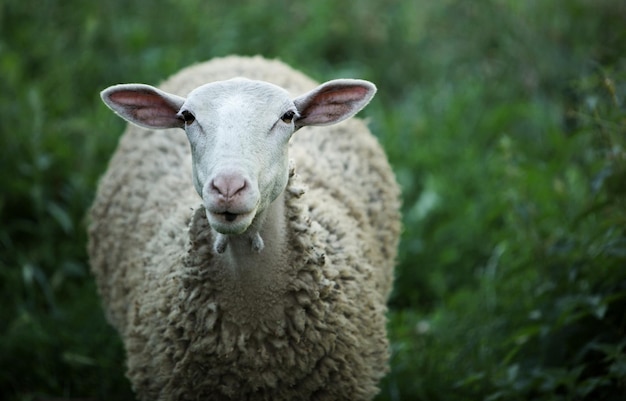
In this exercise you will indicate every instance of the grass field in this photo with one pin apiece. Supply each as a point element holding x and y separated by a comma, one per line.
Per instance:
<point>504,120</point>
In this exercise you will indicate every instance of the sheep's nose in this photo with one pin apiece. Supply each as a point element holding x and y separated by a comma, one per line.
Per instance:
<point>228,185</point>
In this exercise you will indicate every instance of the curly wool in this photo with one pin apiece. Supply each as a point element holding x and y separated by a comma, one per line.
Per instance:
<point>311,327</point>
<point>293,352</point>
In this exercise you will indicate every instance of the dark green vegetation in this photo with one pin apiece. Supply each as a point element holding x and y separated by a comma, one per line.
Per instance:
<point>505,122</point>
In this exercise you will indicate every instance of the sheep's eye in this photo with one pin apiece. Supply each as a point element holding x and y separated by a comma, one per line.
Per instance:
<point>187,117</point>
<point>288,117</point>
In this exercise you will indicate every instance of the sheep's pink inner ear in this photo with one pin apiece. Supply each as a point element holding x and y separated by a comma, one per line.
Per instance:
<point>333,102</point>
<point>144,105</point>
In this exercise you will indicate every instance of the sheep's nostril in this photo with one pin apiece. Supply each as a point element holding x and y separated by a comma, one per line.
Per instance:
<point>228,185</point>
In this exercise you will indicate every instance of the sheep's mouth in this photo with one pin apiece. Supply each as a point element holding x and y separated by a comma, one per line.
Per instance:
<point>229,217</point>
<point>229,222</point>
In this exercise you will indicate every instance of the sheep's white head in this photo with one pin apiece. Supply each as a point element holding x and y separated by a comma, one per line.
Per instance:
<point>239,132</point>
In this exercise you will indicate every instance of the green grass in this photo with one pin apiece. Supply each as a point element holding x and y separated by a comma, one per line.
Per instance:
<point>504,121</point>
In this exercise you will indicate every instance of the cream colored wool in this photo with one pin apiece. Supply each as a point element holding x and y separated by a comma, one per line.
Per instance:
<point>306,323</point>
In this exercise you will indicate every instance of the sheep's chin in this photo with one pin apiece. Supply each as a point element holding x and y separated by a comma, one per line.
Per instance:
<point>230,223</point>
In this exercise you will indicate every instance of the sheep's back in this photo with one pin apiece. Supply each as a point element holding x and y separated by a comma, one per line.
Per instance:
<point>257,68</point>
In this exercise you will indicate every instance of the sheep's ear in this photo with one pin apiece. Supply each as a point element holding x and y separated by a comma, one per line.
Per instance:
<point>333,101</point>
<point>144,105</point>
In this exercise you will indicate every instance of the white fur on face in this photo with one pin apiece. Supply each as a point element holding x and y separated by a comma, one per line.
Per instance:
<point>238,136</point>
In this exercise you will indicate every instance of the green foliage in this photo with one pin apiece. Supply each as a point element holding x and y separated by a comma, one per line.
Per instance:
<point>504,121</point>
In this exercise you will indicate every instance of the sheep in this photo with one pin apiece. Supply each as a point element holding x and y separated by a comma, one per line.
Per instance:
<point>253,281</point>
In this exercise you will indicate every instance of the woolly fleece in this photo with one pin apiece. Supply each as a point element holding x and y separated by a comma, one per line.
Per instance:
<point>309,327</point>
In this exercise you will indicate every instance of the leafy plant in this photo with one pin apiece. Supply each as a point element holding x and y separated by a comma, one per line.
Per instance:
<point>503,119</point>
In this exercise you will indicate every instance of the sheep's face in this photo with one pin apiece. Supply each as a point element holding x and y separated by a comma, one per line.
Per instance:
<point>239,132</point>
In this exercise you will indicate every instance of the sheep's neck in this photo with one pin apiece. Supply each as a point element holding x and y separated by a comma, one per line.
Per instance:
<point>242,259</point>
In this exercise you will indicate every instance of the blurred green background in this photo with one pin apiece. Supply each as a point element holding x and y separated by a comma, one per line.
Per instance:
<point>504,121</point>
